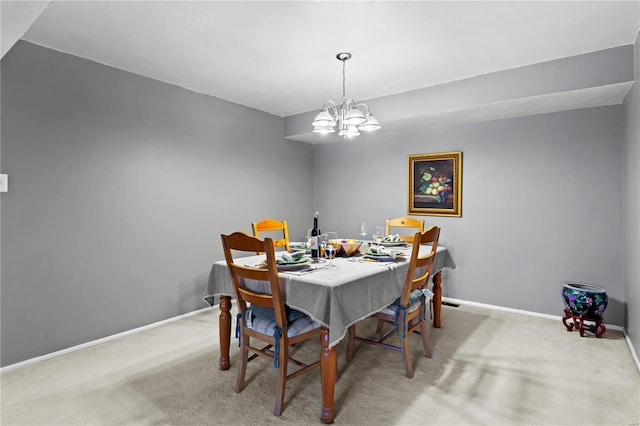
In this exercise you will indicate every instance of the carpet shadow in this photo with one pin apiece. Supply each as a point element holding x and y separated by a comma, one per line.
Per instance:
<point>192,390</point>
<point>375,379</point>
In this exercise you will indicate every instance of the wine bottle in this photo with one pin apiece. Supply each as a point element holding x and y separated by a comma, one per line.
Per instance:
<point>314,241</point>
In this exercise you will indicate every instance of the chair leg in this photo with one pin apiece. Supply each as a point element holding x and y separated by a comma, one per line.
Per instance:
<point>379,330</point>
<point>406,354</point>
<point>425,339</point>
<point>283,357</point>
<point>351,344</point>
<point>244,357</point>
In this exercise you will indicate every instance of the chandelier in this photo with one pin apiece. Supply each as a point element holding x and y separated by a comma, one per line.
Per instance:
<point>350,117</point>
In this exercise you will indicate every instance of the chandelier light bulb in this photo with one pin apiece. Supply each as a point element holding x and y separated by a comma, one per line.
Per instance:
<point>370,125</point>
<point>354,117</point>
<point>324,130</point>
<point>324,119</point>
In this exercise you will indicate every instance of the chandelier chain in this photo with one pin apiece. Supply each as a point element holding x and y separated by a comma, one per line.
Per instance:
<point>344,84</point>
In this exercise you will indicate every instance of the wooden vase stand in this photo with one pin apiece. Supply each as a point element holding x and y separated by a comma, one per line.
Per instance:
<point>578,321</point>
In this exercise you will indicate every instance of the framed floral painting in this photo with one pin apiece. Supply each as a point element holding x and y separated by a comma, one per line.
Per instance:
<point>435,184</point>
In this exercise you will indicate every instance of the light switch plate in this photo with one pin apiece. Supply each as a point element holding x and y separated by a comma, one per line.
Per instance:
<point>4,183</point>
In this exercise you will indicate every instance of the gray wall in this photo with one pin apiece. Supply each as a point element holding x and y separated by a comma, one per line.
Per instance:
<point>120,187</point>
<point>542,203</point>
<point>632,207</point>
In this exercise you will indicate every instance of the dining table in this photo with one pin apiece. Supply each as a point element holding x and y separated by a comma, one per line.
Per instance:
<point>336,294</point>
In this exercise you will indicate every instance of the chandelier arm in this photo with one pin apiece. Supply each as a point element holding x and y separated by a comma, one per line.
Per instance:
<point>329,104</point>
<point>332,108</point>
<point>349,103</point>
<point>366,108</point>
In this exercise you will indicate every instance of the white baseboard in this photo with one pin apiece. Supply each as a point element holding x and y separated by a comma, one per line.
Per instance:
<point>634,354</point>
<point>100,341</point>
<point>537,314</point>
<point>500,308</point>
<point>189,314</point>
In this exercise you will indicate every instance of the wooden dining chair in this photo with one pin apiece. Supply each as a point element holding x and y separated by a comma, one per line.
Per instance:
<point>405,222</point>
<point>266,319</point>
<point>272,225</point>
<point>406,314</point>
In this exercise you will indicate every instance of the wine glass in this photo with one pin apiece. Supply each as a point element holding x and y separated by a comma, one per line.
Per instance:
<point>331,246</point>
<point>363,229</point>
<point>307,239</point>
<point>378,234</point>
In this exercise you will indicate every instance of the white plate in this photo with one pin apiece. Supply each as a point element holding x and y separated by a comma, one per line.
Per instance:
<point>293,266</point>
<point>393,243</point>
<point>383,258</point>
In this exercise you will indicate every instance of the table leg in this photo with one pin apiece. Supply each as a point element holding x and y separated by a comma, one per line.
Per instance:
<point>328,371</point>
<point>437,298</point>
<point>225,332</point>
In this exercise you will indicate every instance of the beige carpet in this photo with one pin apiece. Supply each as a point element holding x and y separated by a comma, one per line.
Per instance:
<point>489,367</point>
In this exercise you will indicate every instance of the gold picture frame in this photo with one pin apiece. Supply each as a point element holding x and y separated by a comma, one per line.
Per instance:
<point>435,184</point>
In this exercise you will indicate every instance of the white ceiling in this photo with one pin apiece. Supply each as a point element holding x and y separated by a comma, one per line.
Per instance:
<point>279,57</point>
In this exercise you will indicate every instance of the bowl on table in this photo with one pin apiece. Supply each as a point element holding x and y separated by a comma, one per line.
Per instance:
<point>347,247</point>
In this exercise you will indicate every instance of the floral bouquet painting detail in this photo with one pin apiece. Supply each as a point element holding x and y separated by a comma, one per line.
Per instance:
<point>434,183</point>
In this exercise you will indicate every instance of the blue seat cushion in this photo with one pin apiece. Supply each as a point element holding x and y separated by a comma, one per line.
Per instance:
<point>268,314</point>
<point>414,302</point>
<point>294,328</point>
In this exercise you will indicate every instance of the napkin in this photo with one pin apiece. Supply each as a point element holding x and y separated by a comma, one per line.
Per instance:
<point>286,257</point>
<point>298,246</point>
<point>382,251</point>
<point>391,239</point>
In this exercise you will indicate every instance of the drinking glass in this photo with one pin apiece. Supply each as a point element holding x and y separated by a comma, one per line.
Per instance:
<point>331,244</point>
<point>363,229</point>
<point>304,243</point>
<point>307,239</point>
<point>378,234</point>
